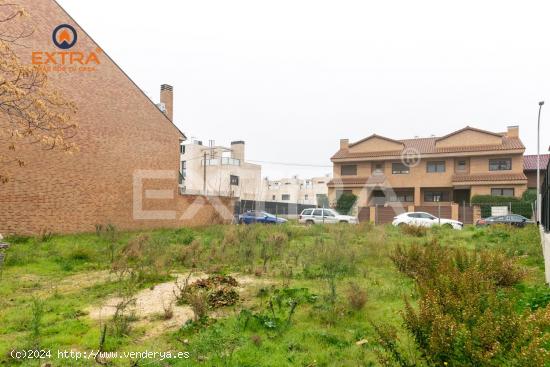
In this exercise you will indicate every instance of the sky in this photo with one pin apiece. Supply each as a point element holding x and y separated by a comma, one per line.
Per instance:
<point>292,78</point>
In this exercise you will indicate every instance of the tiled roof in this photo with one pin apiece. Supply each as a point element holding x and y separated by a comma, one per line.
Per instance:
<point>479,177</point>
<point>530,161</point>
<point>371,180</point>
<point>427,146</point>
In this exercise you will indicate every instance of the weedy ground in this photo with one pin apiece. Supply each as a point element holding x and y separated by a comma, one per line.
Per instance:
<point>305,296</point>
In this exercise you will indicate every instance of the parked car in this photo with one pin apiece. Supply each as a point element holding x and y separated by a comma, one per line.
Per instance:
<point>328,216</point>
<point>511,219</point>
<point>258,216</point>
<point>425,220</point>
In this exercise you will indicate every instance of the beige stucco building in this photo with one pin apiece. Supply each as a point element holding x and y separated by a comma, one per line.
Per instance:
<point>226,172</point>
<point>310,191</point>
<point>430,171</point>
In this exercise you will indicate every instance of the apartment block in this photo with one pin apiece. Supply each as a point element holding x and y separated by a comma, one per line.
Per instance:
<point>218,170</point>
<point>310,191</point>
<point>431,171</point>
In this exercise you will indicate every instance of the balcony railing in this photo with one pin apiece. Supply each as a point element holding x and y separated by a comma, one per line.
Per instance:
<point>224,161</point>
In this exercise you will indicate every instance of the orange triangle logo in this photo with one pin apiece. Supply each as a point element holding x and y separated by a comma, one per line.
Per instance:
<point>64,36</point>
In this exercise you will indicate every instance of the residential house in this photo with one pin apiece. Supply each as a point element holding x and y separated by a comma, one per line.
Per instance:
<point>310,191</point>
<point>530,168</point>
<point>219,170</point>
<point>433,171</point>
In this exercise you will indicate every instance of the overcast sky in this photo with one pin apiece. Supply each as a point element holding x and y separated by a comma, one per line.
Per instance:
<point>293,77</point>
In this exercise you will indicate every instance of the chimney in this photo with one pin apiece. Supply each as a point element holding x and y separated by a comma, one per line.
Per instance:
<point>167,98</point>
<point>237,150</point>
<point>513,131</point>
<point>344,143</point>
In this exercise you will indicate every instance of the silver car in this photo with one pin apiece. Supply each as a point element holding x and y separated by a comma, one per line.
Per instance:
<point>327,216</point>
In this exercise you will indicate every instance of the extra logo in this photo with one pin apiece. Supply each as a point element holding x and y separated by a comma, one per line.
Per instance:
<point>65,58</point>
<point>64,36</point>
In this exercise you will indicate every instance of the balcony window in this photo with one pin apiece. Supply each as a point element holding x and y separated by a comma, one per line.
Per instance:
<point>436,196</point>
<point>377,168</point>
<point>501,164</point>
<point>285,197</point>
<point>348,170</point>
<point>435,167</point>
<point>502,192</point>
<point>461,165</point>
<point>403,197</point>
<point>399,168</point>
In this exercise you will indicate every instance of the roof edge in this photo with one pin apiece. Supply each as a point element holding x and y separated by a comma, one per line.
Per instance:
<point>119,68</point>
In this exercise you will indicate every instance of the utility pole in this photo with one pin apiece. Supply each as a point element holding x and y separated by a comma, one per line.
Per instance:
<point>541,103</point>
<point>204,175</point>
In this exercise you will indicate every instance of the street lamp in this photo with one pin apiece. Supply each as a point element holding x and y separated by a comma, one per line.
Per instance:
<point>541,103</point>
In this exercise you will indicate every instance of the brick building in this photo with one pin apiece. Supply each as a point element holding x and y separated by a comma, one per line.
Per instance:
<point>128,149</point>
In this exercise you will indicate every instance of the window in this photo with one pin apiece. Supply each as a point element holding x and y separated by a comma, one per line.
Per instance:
<point>502,192</point>
<point>407,197</point>
<point>461,165</point>
<point>307,212</point>
<point>436,196</point>
<point>285,197</point>
<point>436,166</point>
<point>273,198</point>
<point>501,164</point>
<point>377,168</point>
<point>318,212</point>
<point>348,170</point>
<point>182,149</point>
<point>306,197</point>
<point>399,168</point>
<point>233,180</point>
<point>328,213</point>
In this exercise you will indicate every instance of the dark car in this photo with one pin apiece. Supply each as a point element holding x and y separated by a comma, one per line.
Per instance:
<point>511,219</point>
<point>258,216</point>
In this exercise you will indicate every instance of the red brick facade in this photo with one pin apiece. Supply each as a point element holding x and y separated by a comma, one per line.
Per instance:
<point>121,131</point>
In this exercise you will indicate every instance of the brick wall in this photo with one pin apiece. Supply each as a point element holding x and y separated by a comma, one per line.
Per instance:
<point>121,132</point>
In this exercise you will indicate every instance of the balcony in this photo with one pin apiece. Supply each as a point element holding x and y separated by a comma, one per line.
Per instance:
<point>223,161</point>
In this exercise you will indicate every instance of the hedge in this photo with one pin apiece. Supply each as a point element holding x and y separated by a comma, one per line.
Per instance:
<point>518,206</point>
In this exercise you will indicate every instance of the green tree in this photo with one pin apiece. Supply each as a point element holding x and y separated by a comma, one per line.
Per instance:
<point>345,203</point>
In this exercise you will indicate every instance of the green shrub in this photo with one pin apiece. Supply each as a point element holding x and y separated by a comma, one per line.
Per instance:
<point>416,231</point>
<point>345,203</point>
<point>517,206</point>
<point>464,315</point>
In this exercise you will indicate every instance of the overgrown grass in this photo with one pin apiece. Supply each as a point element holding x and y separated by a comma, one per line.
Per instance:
<point>327,289</point>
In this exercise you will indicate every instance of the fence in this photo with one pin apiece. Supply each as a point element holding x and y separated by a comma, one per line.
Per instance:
<point>272,207</point>
<point>545,207</point>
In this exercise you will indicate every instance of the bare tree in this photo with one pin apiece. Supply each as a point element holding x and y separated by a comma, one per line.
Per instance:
<point>31,112</point>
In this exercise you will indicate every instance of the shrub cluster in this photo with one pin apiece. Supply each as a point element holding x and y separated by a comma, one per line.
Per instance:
<point>464,316</point>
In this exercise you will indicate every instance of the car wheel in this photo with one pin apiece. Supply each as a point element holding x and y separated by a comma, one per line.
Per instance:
<point>401,224</point>
<point>344,221</point>
<point>447,225</point>
<point>309,222</point>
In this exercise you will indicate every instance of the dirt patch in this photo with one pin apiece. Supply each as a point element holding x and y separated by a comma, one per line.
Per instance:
<point>151,303</point>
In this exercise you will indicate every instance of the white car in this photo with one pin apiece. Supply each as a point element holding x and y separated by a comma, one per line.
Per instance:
<point>320,216</point>
<point>423,219</point>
